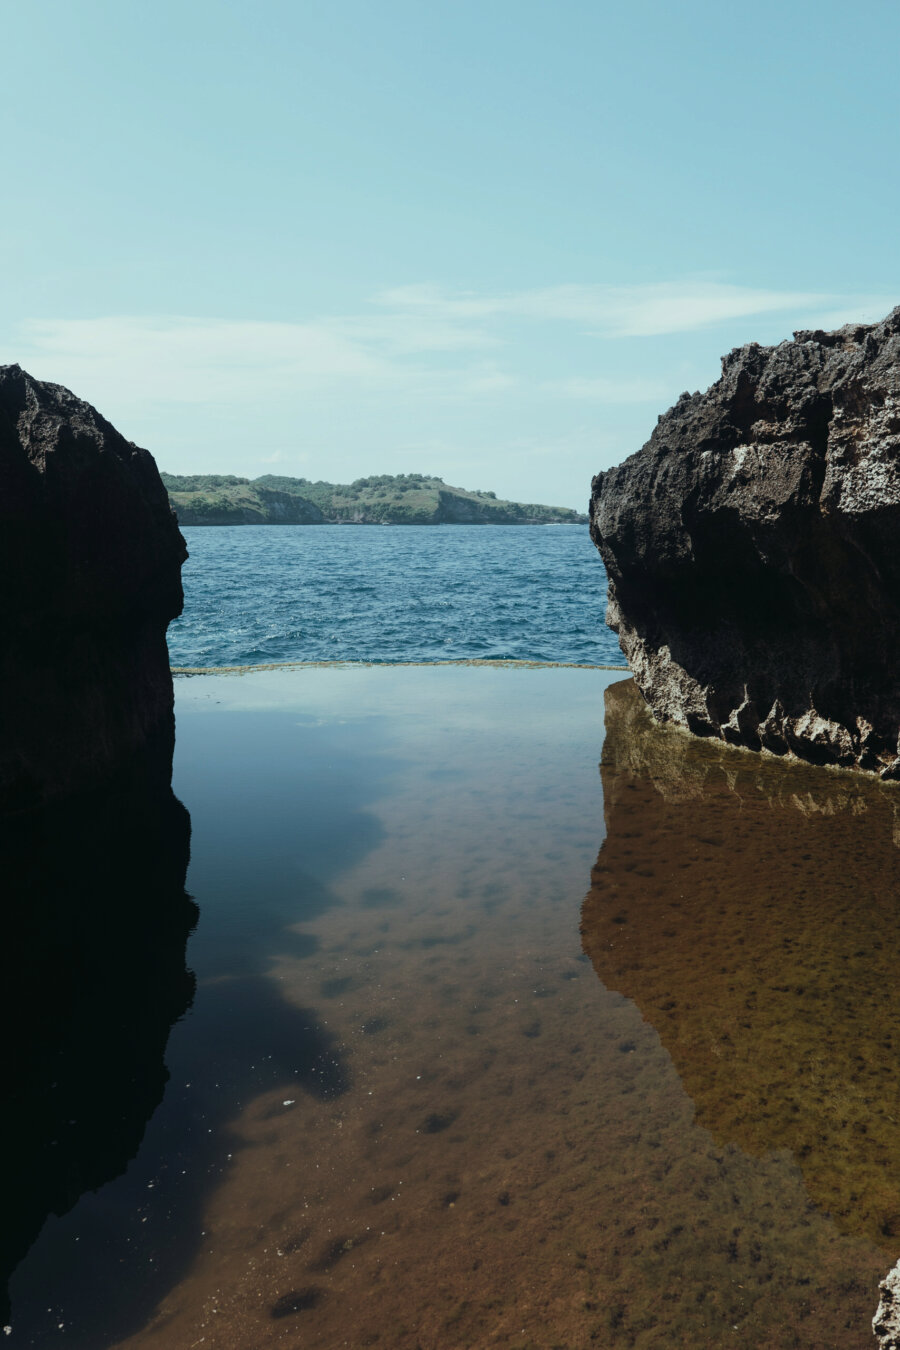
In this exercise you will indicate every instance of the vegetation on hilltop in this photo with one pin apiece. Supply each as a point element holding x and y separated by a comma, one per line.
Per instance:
<point>223,499</point>
<point>380,499</point>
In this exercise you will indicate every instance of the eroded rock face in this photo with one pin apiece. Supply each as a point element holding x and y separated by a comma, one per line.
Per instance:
<point>752,554</point>
<point>90,561</point>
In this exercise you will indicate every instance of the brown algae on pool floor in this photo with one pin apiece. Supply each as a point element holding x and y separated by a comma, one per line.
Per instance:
<point>685,1152</point>
<point>523,1157</point>
<point>749,908</point>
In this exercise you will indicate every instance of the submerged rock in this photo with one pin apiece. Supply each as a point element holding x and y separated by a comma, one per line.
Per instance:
<point>886,1322</point>
<point>90,558</point>
<point>754,574</point>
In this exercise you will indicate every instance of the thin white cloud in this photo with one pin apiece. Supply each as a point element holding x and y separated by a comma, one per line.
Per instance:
<point>602,389</point>
<point>866,310</point>
<point>412,345</point>
<point>484,381</point>
<point>186,360</point>
<point>178,359</point>
<point>410,332</point>
<point>651,310</point>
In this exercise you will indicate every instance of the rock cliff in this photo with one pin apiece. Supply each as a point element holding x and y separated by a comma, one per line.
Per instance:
<point>257,506</point>
<point>90,558</point>
<point>751,550</point>
<point>381,499</point>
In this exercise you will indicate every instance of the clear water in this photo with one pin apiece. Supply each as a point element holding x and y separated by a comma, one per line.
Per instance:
<point>491,1049</point>
<point>258,594</point>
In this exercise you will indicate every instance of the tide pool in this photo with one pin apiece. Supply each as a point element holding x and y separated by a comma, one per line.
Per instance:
<point>487,1049</point>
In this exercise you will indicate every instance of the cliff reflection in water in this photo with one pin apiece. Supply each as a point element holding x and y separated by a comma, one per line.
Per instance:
<point>95,927</point>
<point>750,907</point>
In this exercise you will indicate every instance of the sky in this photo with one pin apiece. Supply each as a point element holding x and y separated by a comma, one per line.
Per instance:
<point>490,240</point>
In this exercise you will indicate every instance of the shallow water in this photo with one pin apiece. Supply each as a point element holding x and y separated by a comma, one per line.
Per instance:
<point>405,1111</point>
<point>261,594</point>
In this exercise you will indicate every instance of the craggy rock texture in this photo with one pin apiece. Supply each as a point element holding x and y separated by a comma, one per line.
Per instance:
<point>752,554</point>
<point>90,559</point>
<point>886,1322</point>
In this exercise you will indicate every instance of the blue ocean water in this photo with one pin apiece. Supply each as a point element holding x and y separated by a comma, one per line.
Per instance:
<point>259,594</point>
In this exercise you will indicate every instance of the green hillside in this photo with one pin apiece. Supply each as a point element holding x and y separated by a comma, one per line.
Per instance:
<point>382,499</point>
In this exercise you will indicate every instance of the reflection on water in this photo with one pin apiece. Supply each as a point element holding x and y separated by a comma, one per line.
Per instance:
<point>403,1111</point>
<point>95,925</point>
<point>749,908</point>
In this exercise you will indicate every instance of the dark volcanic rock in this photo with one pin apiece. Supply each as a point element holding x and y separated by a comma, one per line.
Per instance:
<point>91,565</point>
<point>752,553</point>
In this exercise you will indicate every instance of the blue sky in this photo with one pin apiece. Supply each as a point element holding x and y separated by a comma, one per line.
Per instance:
<point>490,241</point>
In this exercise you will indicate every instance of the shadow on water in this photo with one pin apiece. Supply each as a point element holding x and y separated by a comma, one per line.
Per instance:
<point>750,907</point>
<point>95,926</point>
<point>271,827</point>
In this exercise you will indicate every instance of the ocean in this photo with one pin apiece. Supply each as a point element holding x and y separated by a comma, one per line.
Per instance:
<point>261,594</point>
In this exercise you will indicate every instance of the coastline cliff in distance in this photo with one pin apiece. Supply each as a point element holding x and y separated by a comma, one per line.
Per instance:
<point>382,499</point>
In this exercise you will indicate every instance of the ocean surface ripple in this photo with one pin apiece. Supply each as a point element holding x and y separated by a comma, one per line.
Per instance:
<point>260,594</point>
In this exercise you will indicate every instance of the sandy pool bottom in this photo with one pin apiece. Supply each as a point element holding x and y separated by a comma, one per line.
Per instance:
<point>476,1142</point>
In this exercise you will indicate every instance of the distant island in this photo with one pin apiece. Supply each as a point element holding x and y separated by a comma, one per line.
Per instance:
<point>383,499</point>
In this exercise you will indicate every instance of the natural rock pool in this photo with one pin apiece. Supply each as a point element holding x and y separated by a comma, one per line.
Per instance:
<point>412,1106</point>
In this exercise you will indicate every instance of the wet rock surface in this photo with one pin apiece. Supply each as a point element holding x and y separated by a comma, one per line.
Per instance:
<point>91,564</point>
<point>751,551</point>
<point>886,1322</point>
